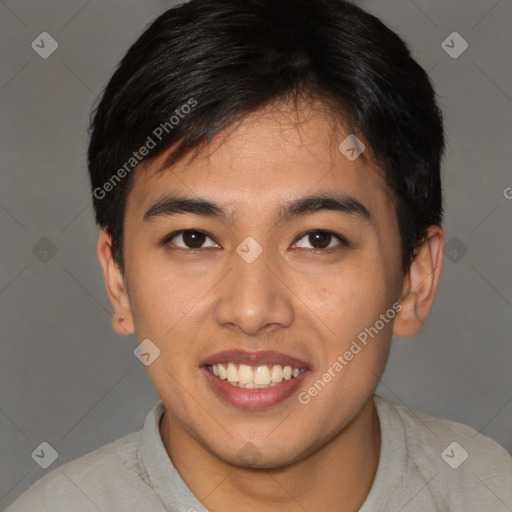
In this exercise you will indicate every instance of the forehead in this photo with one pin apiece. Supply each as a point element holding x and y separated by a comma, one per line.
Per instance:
<point>269,158</point>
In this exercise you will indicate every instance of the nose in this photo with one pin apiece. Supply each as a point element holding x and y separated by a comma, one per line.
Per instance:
<point>254,297</point>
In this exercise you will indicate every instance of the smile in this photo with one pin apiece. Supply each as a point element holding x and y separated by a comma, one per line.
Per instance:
<point>261,376</point>
<point>254,380</point>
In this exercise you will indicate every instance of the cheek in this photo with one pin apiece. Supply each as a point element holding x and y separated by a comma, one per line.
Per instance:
<point>165,309</point>
<point>159,300</point>
<point>350,303</point>
<point>171,310</point>
<point>348,299</point>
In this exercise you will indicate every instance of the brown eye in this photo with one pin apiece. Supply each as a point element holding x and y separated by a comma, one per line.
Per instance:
<point>190,239</point>
<point>193,239</point>
<point>318,240</point>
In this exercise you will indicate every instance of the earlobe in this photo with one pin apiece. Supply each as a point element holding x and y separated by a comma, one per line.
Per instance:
<point>420,285</point>
<point>122,321</point>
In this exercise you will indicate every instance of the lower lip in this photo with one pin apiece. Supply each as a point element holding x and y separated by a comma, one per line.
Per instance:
<point>253,398</point>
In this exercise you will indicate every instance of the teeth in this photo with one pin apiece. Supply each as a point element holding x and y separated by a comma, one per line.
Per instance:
<point>261,376</point>
<point>277,373</point>
<point>244,375</point>
<point>231,373</point>
<point>222,372</point>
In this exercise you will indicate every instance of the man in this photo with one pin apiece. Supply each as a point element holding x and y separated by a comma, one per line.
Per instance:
<point>266,176</point>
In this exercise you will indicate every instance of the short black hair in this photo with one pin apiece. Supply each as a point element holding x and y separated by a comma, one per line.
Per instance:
<point>206,64</point>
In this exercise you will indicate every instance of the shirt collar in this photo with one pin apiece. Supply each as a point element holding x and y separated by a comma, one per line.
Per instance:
<point>159,470</point>
<point>176,496</point>
<point>391,469</point>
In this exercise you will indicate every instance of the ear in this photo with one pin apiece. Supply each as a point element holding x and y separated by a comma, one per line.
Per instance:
<point>122,320</point>
<point>420,285</point>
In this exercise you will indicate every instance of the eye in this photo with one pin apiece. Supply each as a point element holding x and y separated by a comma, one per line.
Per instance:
<point>189,239</point>
<point>320,240</point>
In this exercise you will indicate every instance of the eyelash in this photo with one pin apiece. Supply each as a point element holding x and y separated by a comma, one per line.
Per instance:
<point>342,240</point>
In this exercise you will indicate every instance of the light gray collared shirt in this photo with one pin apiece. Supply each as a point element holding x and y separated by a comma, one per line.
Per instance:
<point>426,464</point>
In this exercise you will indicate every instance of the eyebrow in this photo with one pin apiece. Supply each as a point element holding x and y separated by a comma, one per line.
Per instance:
<point>170,205</point>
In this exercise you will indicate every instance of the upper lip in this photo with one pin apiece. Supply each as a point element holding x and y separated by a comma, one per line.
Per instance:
<point>268,357</point>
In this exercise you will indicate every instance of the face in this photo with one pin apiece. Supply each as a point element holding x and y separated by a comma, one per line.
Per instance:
<point>255,273</point>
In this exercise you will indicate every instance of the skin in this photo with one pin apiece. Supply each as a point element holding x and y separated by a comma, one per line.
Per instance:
<point>293,299</point>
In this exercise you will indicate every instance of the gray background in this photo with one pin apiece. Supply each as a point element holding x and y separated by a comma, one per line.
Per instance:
<point>68,379</point>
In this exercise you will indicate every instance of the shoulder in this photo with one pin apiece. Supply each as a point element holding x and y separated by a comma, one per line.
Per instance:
<point>76,485</point>
<point>462,466</point>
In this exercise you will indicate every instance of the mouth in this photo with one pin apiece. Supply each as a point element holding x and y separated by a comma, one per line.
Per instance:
<point>250,377</point>
<point>254,380</point>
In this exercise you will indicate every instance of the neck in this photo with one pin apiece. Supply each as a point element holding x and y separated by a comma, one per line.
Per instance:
<point>339,474</point>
